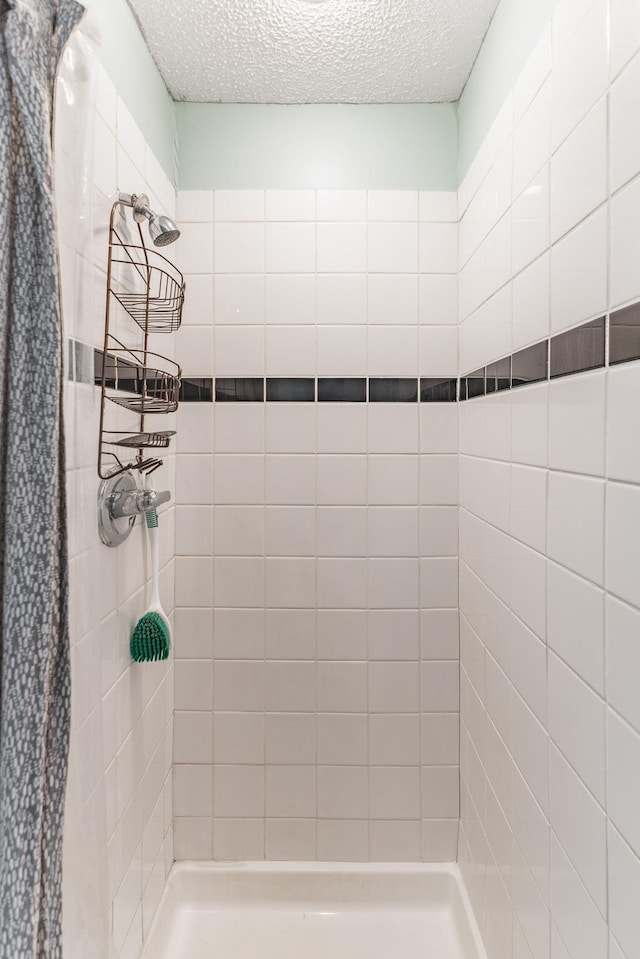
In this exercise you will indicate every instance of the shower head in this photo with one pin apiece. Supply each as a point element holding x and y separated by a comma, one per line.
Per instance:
<point>162,229</point>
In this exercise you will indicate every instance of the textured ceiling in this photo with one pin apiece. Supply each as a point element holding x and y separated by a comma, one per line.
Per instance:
<point>314,51</point>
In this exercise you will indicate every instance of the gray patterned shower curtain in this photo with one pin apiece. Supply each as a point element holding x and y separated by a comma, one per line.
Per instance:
<point>34,640</point>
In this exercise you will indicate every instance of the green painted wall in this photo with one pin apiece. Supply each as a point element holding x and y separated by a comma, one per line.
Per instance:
<point>513,33</point>
<point>376,146</point>
<point>128,62</point>
<point>396,146</point>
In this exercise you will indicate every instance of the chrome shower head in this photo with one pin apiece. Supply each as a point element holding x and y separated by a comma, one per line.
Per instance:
<point>162,229</point>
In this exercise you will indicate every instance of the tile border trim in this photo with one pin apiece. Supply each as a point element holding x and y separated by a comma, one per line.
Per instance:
<point>596,344</point>
<point>535,363</point>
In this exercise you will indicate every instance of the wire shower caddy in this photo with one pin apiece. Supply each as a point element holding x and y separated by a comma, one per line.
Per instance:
<point>134,379</point>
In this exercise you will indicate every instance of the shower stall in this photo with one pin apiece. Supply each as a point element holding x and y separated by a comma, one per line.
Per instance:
<point>396,421</point>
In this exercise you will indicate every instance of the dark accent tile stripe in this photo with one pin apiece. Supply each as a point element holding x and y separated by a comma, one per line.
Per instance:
<point>83,363</point>
<point>582,348</point>
<point>624,335</point>
<point>475,384</point>
<point>128,376</point>
<point>342,390</point>
<point>433,390</point>
<point>111,369</point>
<point>98,357</point>
<point>196,389</point>
<point>239,389</point>
<point>574,351</point>
<point>529,365</point>
<point>393,390</point>
<point>498,376</point>
<point>291,390</point>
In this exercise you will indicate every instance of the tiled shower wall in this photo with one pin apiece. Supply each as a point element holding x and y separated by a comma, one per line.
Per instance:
<point>118,842</point>
<point>316,635</point>
<point>316,572</point>
<point>550,506</point>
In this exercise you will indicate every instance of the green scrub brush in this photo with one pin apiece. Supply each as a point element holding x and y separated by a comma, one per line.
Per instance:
<point>151,638</point>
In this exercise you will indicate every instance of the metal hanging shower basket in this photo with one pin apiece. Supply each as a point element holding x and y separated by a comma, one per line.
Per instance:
<point>150,291</point>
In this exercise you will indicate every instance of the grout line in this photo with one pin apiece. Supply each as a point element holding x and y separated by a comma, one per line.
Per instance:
<point>605,636</point>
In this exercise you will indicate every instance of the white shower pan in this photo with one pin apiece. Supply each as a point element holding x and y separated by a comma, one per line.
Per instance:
<point>315,911</point>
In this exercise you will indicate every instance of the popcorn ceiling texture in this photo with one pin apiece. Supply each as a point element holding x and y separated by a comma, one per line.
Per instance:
<point>332,51</point>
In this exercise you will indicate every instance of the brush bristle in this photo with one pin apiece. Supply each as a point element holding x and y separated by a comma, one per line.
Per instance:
<point>152,518</point>
<point>150,639</point>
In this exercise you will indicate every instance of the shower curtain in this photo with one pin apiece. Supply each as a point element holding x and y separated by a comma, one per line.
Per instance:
<point>34,640</point>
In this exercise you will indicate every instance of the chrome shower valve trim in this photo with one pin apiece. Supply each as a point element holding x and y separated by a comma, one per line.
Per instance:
<point>120,501</point>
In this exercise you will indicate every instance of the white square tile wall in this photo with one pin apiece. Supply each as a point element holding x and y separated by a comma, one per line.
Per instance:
<point>333,646</point>
<point>549,509</point>
<point>119,835</point>
<point>334,631</point>
<point>330,283</point>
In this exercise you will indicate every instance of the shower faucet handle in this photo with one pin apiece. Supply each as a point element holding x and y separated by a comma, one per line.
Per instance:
<point>135,502</point>
<point>120,501</point>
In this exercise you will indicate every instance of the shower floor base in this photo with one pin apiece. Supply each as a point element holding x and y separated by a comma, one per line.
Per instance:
<point>315,911</point>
